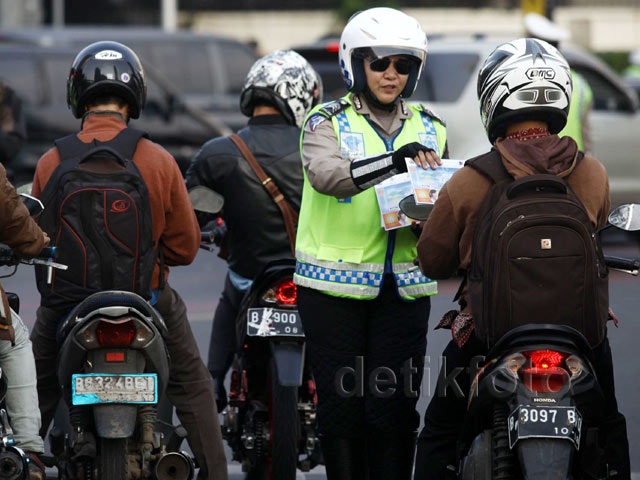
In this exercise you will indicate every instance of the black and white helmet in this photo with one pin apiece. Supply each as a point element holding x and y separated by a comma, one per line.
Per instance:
<point>285,80</point>
<point>525,79</point>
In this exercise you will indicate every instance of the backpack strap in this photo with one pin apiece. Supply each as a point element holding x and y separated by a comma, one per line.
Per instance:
<point>123,146</point>
<point>490,165</point>
<point>74,151</point>
<point>288,213</point>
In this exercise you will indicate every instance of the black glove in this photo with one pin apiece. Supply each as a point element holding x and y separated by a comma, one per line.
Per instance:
<point>409,150</point>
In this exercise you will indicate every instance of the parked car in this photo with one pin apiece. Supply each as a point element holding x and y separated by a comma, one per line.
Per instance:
<point>193,84</point>
<point>448,87</point>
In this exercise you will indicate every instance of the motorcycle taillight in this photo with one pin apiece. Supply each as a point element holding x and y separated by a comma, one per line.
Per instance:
<point>544,373</point>
<point>283,293</point>
<point>115,334</point>
<point>286,292</point>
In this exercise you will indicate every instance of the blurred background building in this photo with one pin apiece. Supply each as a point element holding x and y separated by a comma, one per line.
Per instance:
<point>598,25</point>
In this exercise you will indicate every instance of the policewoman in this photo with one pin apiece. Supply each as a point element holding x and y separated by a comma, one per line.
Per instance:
<point>364,307</point>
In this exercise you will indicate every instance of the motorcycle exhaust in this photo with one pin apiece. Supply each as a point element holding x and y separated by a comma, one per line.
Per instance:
<point>12,466</point>
<point>175,466</point>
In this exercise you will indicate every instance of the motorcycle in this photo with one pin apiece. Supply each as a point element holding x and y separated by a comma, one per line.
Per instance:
<point>535,402</point>
<point>14,462</point>
<point>113,367</point>
<point>269,422</point>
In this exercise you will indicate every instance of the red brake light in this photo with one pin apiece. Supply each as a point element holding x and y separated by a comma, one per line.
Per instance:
<point>286,292</point>
<point>545,358</point>
<point>333,47</point>
<point>114,357</point>
<point>115,334</point>
<point>544,375</point>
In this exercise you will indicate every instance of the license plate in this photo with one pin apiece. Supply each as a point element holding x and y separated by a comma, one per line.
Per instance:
<point>96,388</point>
<point>545,422</point>
<point>272,322</point>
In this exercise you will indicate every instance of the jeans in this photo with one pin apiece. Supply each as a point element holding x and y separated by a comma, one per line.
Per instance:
<point>223,344</point>
<point>19,367</point>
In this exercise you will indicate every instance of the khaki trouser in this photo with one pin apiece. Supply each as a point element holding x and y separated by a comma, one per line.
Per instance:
<point>190,387</point>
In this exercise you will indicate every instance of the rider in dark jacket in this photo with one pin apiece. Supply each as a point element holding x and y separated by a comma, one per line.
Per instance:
<point>279,91</point>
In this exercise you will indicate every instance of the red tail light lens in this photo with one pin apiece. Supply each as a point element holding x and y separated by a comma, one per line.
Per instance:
<point>544,375</point>
<point>545,358</point>
<point>333,47</point>
<point>115,334</point>
<point>286,292</point>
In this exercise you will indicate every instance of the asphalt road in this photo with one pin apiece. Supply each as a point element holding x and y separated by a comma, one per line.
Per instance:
<point>201,283</point>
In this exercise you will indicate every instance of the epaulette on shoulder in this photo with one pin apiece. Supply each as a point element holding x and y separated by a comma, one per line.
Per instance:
<point>431,114</point>
<point>331,109</point>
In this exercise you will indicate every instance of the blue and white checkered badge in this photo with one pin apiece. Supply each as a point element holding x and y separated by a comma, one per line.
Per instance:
<point>352,145</point>
<point>429,140</point>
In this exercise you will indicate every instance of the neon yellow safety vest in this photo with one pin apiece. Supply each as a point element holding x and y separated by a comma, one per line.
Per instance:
<point>341,248</point>
<point>581,97</point>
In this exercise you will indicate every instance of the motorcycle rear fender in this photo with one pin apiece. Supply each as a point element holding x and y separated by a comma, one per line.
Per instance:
<point>72,356</point>
<point>115,420</point>
<point>544,458</point>
<point>289,359</point>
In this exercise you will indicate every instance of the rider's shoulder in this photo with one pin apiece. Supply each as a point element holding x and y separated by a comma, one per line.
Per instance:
<point>331,109</point>
<point>430,113</point>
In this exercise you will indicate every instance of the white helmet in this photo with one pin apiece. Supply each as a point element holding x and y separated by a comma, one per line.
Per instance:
<point>541,27</point>
<point>285,80</point>
<point>525,79</point>
<point>380,32</point>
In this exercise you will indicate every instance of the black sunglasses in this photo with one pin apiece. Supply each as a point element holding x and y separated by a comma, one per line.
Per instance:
<point>402,65</point>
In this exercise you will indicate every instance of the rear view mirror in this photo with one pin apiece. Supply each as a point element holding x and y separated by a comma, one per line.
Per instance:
<point>206,200</point>
<point>626,217</point>
<point>34,205</point>
<point>411,209</point>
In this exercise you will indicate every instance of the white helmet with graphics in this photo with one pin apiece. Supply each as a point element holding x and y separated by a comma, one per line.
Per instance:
<point>285,80</point>
<point>376,33</point>
<point>526,79</point>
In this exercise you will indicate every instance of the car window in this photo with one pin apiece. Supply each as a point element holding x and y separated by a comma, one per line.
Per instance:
<point>57,72</point>
<point>445,76</point>
<point>238,59</point>
<point>22,75</point>
<point>606,96</point>
<point>186,65</point>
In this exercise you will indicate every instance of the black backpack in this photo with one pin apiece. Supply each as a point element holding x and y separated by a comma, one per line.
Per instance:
<point>536,257</point>
<point>98,216</point>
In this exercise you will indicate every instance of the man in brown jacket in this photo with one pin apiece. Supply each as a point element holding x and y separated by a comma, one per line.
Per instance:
<point>105,106</point>
<point>523,132</point>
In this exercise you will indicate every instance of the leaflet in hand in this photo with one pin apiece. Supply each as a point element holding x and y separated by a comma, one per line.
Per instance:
<point>389,194</point>
<point>427,183</point>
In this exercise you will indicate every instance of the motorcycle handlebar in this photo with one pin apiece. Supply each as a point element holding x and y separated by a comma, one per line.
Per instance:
<point>629,265</point>
<point>9,258</point>
<point>207,237</point>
